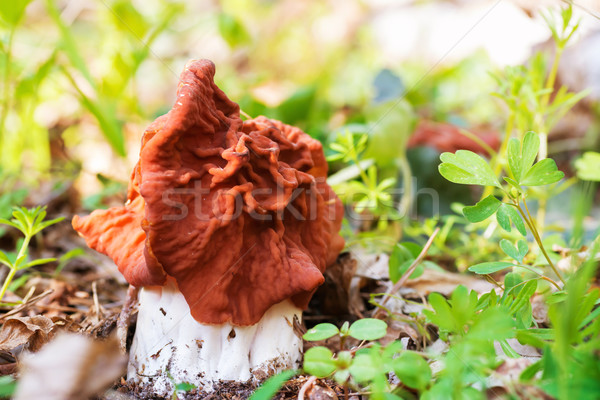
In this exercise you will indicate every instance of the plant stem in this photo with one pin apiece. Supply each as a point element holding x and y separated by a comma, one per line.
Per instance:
<point>23,249</point>
<point>537,238</point>
<point>361,171</point>
<point>7,282</point>
<point>410,269</point>
<point>15,267</point>
<point>541,276</point>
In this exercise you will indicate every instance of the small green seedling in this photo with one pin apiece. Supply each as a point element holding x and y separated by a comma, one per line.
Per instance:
<point>369,365</point>
<point>369,193</point>
<point>30,222</point>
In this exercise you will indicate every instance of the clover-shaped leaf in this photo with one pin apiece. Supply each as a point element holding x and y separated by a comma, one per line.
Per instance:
<point>520,162</point>
<point>319,361</point>
<point>321,332</point>
<point>412,370</point>
<point>521,157</point>
<point>482,210</point>
<point>490,267</point>
<point>368,329</point>
<point>544,172</point>
<point>467,168</point>
<point>507,213</point>
<point>517,253</point>
<point>364,368</point>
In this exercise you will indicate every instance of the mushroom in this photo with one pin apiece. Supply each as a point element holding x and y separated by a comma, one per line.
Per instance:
<point>228,227</point>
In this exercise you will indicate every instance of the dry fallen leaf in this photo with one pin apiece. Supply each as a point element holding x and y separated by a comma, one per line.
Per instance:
<point>321,393</point>
<point>71,367</point>
<point>31,332</point>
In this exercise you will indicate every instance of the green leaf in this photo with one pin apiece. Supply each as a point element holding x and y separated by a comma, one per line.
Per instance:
<point>514,158</point>
<point>492,324</point>
<point>401,258</point>
<point>588,166</point>
<point>490,267</point>
<point>43,225</point>
<point>18,283</point>
<point>482,210</point>
<point>272,385</point>
<point>298,106</point>
<point>522,157</point>
<point>529,150</point>
<point>368,329</point>
<point>396,274</point>
<point>516,253</point>
<point>341,376</point>
<point>8,385</point>
<point>531,371</point>
<point>233,30</point>
<point>544,172</point>
<point>185,387</point>
<point>321,332</point>
<point>318,361</point>
<point>512,183</point>
<point>5,260</point>
<point>11,223</point>
<point>412,370</point>
<point>363,368</point>
<point>36,262</point>
<point>11,11</point>
<point>507,213</point>
<point>466,167</point>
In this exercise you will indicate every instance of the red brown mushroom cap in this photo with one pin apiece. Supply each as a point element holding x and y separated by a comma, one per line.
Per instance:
<point>238,213</point>
<point>117,232</point>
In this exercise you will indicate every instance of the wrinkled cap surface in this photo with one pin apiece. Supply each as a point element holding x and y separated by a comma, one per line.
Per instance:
<point>237,212</point>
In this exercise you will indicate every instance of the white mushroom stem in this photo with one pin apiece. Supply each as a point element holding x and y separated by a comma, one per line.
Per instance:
<point>168,341</point>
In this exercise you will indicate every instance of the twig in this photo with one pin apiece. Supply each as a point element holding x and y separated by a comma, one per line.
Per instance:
<point>125,315</point>
<point>29,303</point>
<point>97,308</point>
<point>29,294</point>
<point>307,385</point>
<point>412,267</point>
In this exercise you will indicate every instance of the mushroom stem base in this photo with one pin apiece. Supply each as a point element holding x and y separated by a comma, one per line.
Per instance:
<point>170,347</point>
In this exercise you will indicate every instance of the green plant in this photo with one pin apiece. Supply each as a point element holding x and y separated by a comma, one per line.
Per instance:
<point>8,385</point>
<point>466,167</point>
<point>368,365</point>
<point>570,346</point>
<point>470,329</point>
<point>30,222</point>
<point>368,194</point>
<point>403,256</point>
<point>21,81</point>
<point>134,34</point>
<point>533,104</point>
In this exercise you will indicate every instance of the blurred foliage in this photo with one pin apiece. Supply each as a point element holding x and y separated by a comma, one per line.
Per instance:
<point>80,79</point>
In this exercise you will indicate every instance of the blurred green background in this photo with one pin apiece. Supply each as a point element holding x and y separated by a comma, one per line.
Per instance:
<point>81,79</point>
